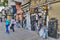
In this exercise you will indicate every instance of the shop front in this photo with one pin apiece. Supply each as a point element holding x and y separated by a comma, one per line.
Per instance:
<point>54,12</point>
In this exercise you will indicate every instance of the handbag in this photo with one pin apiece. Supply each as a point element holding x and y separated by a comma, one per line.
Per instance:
<point>10,27</point>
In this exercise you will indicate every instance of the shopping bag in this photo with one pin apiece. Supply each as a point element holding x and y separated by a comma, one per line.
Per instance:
<point>11,27</point>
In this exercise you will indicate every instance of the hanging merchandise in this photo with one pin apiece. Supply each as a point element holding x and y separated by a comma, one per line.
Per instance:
<point>43,32</point>
<point>40,14</point>
<point>44,14</point>
<point>43,8</point>
<point>37,3</point>
<point>47,22</point>
<point>33,21</point>
<point>39,10</point>
<point>33,3</point>
<point>28,24</point>
<point>40,22</point>
<point>36,10</point>
<point>19,16</point>
<point>49,5</point>
<point>31,10</point>
<point>11,10</point>
<point>33,27</point>
<point>33,17</point>
<point>8,17</point>
<point>36,18</point>
<point>0,17</point>
<point>14,9</point>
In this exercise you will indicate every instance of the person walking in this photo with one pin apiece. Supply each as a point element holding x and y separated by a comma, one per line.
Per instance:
<point>7,24</point>
<point>12,24</point>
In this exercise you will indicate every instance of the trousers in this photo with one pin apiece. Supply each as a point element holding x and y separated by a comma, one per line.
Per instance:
<point>7,30</point>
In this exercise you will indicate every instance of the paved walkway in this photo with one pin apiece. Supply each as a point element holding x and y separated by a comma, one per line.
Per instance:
<point>19,34</point>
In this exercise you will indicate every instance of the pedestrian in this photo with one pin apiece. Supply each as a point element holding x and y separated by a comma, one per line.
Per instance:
<point>7,24</point>
<point>12,24</point>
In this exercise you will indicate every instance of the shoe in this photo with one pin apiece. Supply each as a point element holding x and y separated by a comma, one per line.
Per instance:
<point>8,32</point>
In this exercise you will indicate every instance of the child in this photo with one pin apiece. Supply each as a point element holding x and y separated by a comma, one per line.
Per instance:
<point>12,24</point>
<point>7,24</point>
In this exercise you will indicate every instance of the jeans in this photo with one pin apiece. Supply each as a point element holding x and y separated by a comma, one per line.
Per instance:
<point>13,27</point>
<point>7,30</point>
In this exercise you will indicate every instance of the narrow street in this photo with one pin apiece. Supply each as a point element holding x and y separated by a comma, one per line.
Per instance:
<point>23,10</point>
<point>19,34</point>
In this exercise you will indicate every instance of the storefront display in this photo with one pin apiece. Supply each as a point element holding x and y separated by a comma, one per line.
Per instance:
<point>8,17</point>
<point>31,10</point>
<point>3,15</point>
<point>28,23</point>
<point>19,11</point>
